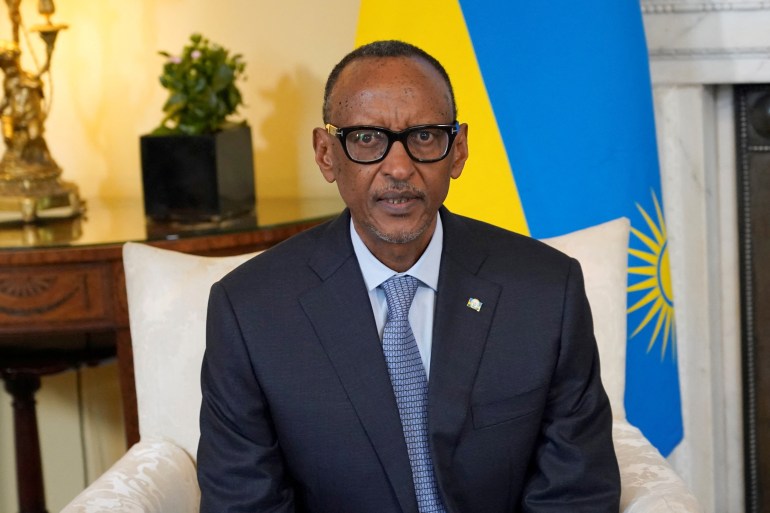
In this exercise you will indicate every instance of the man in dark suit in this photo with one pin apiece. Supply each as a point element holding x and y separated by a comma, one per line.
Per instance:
<point>305,407</point>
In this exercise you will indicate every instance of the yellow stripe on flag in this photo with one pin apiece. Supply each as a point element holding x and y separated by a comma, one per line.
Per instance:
<point>486,190</point>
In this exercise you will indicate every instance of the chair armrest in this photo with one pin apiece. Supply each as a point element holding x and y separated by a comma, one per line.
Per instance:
<point>152,477</point>
<point>159,477</point>
<point>648,483</point>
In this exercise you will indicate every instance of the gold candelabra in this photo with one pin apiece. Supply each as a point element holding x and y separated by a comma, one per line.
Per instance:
<point>31,187</point>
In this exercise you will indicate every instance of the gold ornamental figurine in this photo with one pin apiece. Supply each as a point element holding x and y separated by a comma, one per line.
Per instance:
<point>30,185</point>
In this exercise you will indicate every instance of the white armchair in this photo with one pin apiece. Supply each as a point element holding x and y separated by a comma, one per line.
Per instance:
<point>167,296</point>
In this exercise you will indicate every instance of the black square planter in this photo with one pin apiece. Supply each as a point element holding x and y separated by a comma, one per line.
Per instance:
<point>198,178</point>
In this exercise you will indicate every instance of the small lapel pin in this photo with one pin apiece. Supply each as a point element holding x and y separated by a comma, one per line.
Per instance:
<point>474,303</point>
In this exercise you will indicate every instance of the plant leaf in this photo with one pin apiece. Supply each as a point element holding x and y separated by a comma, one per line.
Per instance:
<point>201,81</point>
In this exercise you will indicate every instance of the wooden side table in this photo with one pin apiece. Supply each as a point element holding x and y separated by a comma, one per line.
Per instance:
<point>63,300</point>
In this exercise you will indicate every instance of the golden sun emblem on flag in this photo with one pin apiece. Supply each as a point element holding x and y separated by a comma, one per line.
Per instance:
<point>656,281</point>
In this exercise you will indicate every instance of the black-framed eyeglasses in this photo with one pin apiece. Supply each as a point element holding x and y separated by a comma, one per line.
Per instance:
<point>365,144</point>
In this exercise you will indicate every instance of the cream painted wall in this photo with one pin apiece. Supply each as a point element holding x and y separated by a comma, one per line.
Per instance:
<point>106,90</point>
<point>106,94</point>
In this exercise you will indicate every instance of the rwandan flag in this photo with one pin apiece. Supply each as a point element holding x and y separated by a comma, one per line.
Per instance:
<point>558,101</point>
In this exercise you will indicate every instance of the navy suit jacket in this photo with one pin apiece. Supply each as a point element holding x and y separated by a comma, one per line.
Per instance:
<point>298,412</point>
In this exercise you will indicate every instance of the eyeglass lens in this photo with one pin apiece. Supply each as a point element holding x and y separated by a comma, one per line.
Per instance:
<point>424,143</point>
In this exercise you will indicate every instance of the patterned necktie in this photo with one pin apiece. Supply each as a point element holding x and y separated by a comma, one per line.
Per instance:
<point>410,385</point>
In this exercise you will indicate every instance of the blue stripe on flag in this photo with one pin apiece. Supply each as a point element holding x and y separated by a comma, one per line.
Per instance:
<point>570,87</point>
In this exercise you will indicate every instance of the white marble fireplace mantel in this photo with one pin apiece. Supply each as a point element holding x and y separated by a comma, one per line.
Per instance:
<point>695,42</point>
<point>698,50</point>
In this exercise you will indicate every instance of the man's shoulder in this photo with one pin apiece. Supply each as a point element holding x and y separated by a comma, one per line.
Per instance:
<point>496,240</point>
<point>505,257</point>
<point>285,261</point>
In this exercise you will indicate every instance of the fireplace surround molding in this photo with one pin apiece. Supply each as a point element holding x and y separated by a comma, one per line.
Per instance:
<point>695,42</point>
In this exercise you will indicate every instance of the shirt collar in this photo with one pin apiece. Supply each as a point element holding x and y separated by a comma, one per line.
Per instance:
<point>425,269</point>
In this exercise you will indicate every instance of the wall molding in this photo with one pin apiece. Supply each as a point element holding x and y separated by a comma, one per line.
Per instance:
<point>708,42</point>
<point>670,7</point>
<point>759,52</point>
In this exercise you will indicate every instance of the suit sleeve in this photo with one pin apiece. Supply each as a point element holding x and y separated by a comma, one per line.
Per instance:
<point>240,465</point>
<point>574,466</point>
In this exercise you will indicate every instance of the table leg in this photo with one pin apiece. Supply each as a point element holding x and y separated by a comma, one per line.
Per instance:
<point>29,470</point>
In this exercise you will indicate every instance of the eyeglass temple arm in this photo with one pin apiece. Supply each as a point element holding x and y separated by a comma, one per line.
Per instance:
<point>333,130</point>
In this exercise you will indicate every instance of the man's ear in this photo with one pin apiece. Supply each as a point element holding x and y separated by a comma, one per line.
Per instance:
<point>459,152</point>
<point>324,156</point>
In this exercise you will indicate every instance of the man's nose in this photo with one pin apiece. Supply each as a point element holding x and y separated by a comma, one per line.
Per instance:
<point>397,163</point>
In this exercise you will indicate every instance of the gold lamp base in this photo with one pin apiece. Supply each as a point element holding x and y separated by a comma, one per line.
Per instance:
<point>29,201</point>
<point>30,187</point>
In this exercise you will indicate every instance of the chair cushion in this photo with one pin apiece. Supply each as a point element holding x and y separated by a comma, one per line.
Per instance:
<point>167,301</point>
<point>602,251</point>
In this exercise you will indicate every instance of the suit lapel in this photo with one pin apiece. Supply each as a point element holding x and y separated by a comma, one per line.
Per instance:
<point>459,336</point>
<point>341,314</point>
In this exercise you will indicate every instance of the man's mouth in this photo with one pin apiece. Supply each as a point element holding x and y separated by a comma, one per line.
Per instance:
<point>400,195</point>
<point>397,201</point>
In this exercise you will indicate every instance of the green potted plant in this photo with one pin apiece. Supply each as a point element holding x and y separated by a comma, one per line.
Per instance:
<point>197,165</point>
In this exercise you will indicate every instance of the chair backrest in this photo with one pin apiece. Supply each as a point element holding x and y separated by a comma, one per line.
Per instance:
<point>168,295</point>
<point>167,300</point>
<point>602,251</point>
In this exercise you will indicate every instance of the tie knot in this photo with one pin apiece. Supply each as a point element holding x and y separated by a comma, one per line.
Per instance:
<point>399,293</point>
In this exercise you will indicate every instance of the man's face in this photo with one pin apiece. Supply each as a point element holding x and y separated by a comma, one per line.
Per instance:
<point>396,200</point>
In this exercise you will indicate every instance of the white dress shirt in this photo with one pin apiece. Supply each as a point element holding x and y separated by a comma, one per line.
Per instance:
<point>425,270</point>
